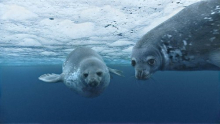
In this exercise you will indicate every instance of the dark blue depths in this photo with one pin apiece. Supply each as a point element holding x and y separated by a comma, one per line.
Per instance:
<point>168,97</point>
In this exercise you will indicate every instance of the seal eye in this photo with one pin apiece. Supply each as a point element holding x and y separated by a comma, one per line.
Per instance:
<point>151,61</point>
<point>85,75</point>
<point>99,73</point>
<point>133,63</point>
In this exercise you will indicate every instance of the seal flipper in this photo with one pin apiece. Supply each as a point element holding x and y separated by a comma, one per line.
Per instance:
<point>51,78</point>
<point>115,71</point>
<point>215,58</point>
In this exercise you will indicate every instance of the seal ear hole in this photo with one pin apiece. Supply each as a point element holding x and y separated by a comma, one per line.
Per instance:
<point>85,75</point>
<point>99,73</point>
<point>151,62</point>
<point>133,63</point>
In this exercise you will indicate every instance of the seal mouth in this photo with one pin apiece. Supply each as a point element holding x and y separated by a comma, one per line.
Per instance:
<point>93,84</point>
<point>142,75</point>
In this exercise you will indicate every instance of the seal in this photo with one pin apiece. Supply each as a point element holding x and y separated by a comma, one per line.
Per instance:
<point>190,40</point>
<point>85,72</point>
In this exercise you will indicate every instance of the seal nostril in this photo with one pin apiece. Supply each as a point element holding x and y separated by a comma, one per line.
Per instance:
<point>142,75</point>
<point>139,75</point>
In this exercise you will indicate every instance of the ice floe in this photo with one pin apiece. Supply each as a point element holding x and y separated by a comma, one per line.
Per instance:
<point>46,31</point>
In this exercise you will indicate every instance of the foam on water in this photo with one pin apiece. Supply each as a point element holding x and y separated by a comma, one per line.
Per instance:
<point>46,31</point>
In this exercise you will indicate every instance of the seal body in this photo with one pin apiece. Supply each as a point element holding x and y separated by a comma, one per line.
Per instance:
<point>84,71</point>
<point>190,40</point>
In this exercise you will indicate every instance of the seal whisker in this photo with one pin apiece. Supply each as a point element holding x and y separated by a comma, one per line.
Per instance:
<point>153,79</point>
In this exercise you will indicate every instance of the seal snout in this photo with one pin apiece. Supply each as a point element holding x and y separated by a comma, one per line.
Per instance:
<point>142,74</point>
<point>93,83</point>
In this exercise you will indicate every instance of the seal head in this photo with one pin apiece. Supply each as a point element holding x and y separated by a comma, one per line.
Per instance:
<point>146,60</point>
<point>94,77</point>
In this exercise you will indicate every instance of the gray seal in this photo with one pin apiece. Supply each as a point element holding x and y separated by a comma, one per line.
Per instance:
<point>190,40</point>
<point>84,71</point>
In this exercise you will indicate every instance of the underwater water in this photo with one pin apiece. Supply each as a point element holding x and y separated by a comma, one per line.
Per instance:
<point>36,37</point>
<point>192,97</point>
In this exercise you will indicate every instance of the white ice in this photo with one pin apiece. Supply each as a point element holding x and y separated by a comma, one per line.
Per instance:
<point>46,31</point>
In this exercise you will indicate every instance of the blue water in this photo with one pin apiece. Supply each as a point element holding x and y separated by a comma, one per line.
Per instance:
<point>192,97</point>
